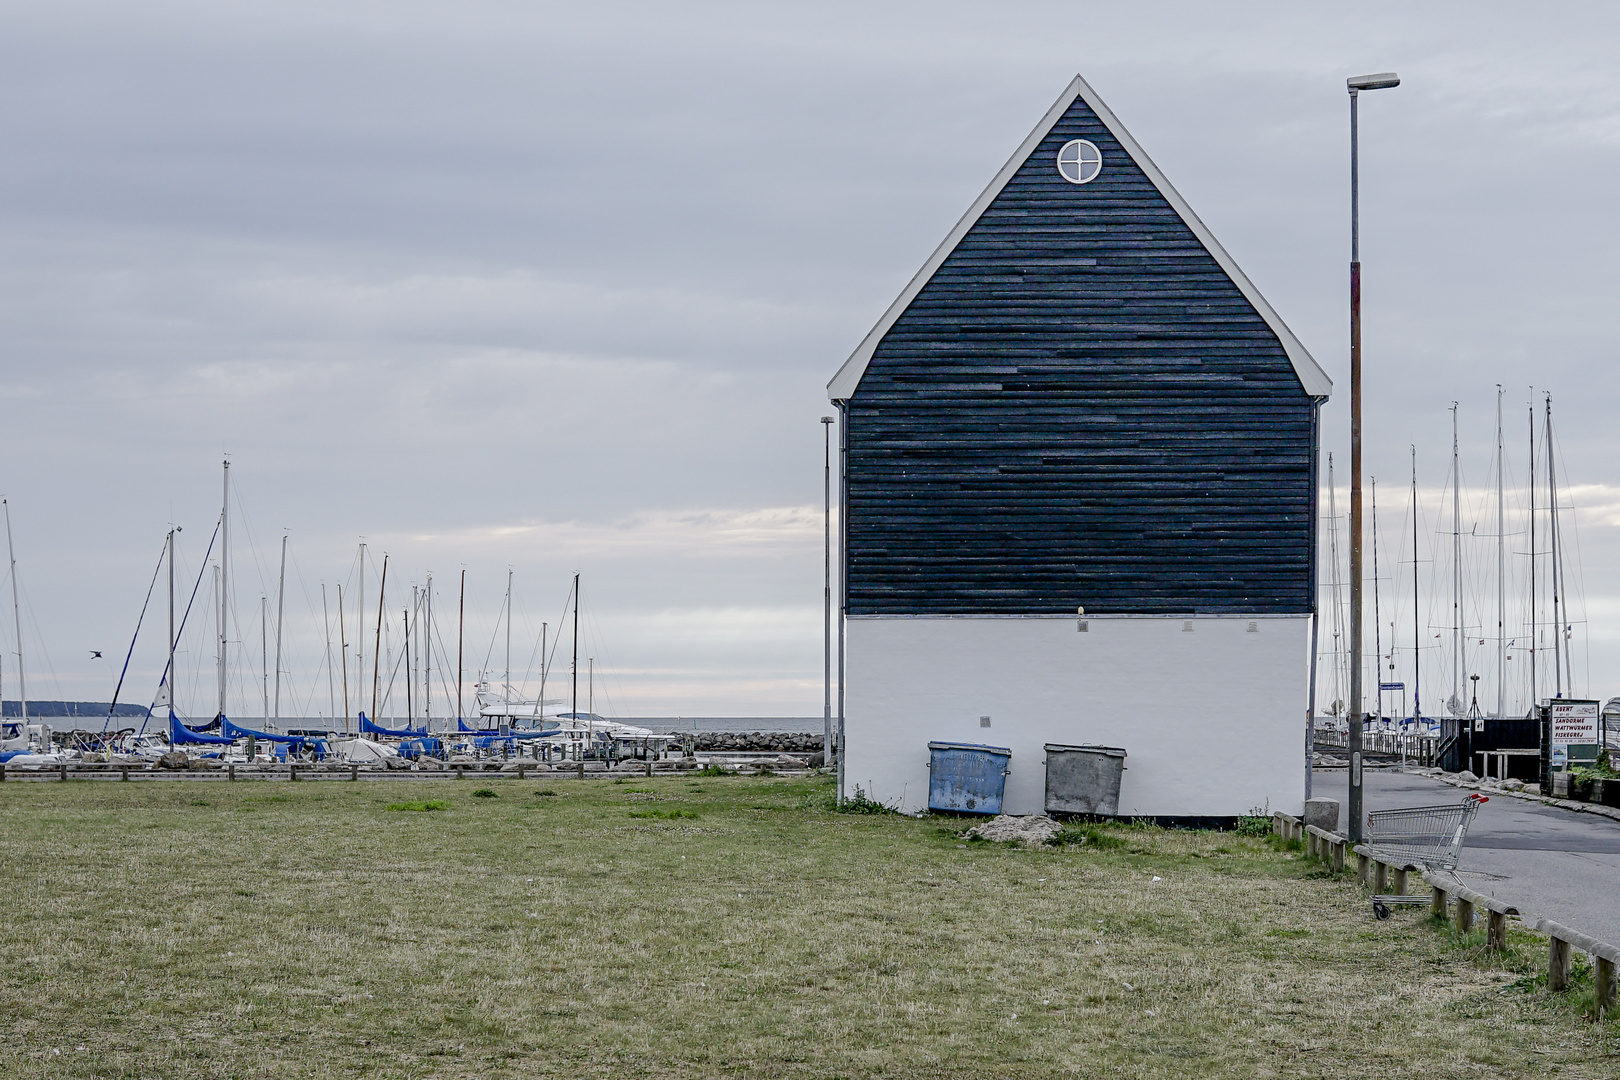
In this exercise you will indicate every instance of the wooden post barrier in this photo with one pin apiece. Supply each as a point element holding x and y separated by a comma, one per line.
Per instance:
<point>1397,880</point>
<point>520,770</point>
<point>62,772</point>
<point>230,772</point>
<point>123,773</point>
<point>1327,846</point>
<point>1380,876</point>
<point>1465,914</point>
<point>1469,905</point>
<point>354,771</point>
<point>1605,957</point>
<point>292,773</point>
<point>582,768</point>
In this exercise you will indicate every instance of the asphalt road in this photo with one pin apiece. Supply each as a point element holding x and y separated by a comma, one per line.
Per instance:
<point>1543,860</point>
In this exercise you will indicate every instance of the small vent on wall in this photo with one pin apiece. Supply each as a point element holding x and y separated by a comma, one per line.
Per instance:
<point>1083,626</point>
<point>984,721</point>
<point>1186,627</point>
<point>1254,626</point>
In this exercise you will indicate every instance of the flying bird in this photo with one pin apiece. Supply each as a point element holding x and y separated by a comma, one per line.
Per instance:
<point>95,654</point>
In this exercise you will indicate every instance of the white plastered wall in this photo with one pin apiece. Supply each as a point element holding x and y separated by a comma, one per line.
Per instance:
<point>1212,718</point>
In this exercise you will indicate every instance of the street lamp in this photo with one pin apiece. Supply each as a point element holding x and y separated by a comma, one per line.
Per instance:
<point>1381,81</point>
<point>826,592</point>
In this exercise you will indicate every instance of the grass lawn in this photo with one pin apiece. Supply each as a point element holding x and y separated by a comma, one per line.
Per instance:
<point>714,926</point>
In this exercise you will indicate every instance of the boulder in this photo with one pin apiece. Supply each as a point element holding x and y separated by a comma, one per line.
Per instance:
<point>1467,777</point>
<point>1323,813</point>
<point>174,759</point>
<point>1031,831</point>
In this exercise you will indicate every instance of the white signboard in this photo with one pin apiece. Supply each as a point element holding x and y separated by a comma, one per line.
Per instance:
<point>1574,723</point>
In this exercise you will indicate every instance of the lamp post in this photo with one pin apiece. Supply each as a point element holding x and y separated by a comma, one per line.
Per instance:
<point>1380,81</point>
<point>826,592</point>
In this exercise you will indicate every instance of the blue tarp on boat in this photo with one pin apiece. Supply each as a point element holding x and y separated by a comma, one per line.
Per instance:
<point>180,735</point>
<point>298,742</point>
<point>369,728</point>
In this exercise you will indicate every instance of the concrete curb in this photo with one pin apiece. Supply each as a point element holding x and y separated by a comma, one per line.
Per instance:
<point>1609,812</point>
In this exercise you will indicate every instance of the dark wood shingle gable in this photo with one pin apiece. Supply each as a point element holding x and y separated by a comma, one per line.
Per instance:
<point>1080,407</point>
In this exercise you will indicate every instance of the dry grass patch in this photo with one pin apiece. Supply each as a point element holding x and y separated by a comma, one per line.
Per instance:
<point>304,930</point>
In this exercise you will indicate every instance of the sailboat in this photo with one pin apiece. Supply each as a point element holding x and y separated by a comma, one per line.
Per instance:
<point>22,745</point>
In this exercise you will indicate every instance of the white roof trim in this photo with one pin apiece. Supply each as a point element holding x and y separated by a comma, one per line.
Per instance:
<point>1314,380</point>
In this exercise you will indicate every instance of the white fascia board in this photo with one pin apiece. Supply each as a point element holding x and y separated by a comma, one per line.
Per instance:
<point>1311,376</point>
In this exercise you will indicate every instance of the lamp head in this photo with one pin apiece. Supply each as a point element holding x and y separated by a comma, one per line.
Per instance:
<point>1381,81</point>
<point>826,419</point>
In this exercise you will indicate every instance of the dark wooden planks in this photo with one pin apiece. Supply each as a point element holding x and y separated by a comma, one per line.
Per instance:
<point>1079,408</point>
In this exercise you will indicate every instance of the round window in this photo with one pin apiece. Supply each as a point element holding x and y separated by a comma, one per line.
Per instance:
<point>1079,161</point>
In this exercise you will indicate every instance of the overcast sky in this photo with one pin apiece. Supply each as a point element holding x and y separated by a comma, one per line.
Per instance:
<point>557,287</point>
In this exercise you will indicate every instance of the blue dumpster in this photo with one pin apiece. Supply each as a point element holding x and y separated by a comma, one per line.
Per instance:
<point>967,777</point>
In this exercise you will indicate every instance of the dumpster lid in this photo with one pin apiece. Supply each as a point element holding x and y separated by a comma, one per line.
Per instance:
<point>1111,751</point>
<point>1002,750</point>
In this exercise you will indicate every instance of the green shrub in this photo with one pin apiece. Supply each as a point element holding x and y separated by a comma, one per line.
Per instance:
<point>1092,836</point>
<point>714,770</point>
<point>485,793</point>
<point>420,805</point>
<point>662,814</point>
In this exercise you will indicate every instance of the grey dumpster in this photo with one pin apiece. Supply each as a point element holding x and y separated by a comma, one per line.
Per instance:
<point>1083,779</point>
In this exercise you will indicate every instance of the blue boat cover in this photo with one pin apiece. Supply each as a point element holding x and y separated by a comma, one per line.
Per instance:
<point>180,735</point>
<point>369,728</point>
<point>241,733</point>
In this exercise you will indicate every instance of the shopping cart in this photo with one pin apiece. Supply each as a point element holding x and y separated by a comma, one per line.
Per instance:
<point>1427,836</point>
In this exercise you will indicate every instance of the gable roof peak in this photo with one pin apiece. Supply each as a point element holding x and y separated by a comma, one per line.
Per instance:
<point>1313,379</point>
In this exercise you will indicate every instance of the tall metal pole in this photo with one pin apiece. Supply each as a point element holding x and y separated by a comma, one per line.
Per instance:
<point>461,627</point>
<point>326,624</point>
<point>224,579</point>
<point>826,590</point>
<point>170,676</point>
<point>506,692</point>
<point>1417,641</point>
<point>427,658</point>
<point>281,608</point>
<point>376,647</point>
<point>1457,665</point>
<point>1378,640</point>
<point>1501,569</point>
<point>16,616</point>
<point>1355,85</point>
<point>574,664</point>
<point>343,655</point>
<point>842,748</point>
<point>1535,641</point>
<point>264,655</point>
<point>1552,557</point>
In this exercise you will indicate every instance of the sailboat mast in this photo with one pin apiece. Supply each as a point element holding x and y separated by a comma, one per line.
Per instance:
<point>427,657</point>
<point>1378,641</point>
<point>1456,570</point>
<point>326,624</point>
<point>360,639</point>
<point>1417,641</point>
<point>376,649</point>
<point>590,686</point>
<point>281,608</point>
<point>574,664</point>
<point>410,674</point>
<point>461,630</point>
<point>343,655</point>
<point>224,579</point>
<point>1552,557</point>
<point>1535,641</point>
<point>264,654</point>
<point>1501,569</point>
<point>506,690</point>
<point>170,675</point>
<point>540,702</point>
